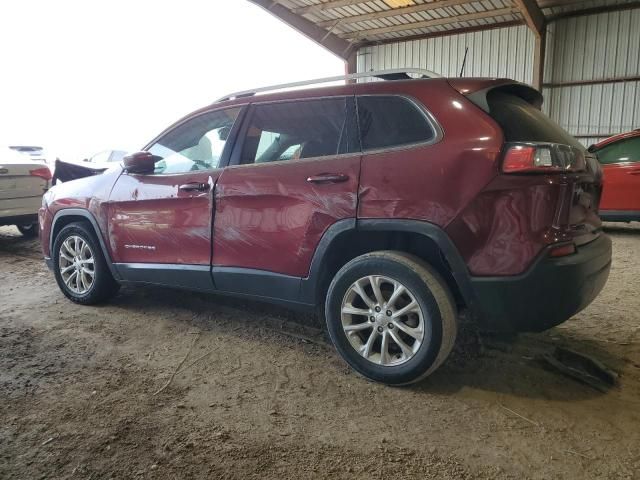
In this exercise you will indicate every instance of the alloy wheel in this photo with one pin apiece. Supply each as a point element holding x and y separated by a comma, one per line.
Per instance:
<point>77,265</point>
<point>382,320</point>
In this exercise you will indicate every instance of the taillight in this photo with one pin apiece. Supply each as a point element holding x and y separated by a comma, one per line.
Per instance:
<point>542,158</point>
<point>43,172</point>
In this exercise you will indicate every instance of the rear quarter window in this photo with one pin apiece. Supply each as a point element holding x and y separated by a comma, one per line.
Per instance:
<point>522,122</point>
<point>392,121</point>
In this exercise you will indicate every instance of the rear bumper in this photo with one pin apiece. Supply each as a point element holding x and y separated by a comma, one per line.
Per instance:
<point>17,207</point>
<point>549,293</point>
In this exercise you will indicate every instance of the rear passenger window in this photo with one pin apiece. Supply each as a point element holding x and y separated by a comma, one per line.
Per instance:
<point>300,129</point>
<point>622,151</point>
<point>392,121</point>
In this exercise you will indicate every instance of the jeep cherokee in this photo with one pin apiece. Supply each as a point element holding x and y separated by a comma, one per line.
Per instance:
<point>388,206</point>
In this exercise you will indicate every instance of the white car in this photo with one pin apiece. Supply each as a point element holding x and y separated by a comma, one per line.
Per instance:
<point>22,183</point>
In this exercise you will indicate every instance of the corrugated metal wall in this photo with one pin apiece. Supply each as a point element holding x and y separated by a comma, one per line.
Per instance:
<point>505,52</point>
<point>594,47</point>
<point>582,48</point>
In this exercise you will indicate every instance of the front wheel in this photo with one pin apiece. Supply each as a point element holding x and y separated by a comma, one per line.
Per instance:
<point>391,317</point>
<point>29,230</point>
<point>80,268</point>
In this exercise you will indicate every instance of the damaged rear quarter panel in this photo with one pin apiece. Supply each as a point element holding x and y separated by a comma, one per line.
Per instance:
<point>431,182</point>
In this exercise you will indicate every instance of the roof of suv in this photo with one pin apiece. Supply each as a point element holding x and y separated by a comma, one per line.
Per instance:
<point>464,85</point>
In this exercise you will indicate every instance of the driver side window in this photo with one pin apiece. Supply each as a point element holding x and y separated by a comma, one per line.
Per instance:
<point>196,144</point>
<point>300,129</point>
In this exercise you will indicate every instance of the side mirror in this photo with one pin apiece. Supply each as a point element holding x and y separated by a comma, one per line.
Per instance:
<point>140,162</point>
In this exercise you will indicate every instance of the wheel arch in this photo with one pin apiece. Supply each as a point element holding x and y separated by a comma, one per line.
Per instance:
<point>67,216</point>
<point>350,238</point>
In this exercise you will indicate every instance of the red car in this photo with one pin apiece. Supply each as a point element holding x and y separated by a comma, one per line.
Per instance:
<point>388,206</point>
<point>620,159</point>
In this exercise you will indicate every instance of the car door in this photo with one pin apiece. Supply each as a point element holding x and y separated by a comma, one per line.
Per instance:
<point>160,224</point>
<point>621,166</point>
<point>293,175</point>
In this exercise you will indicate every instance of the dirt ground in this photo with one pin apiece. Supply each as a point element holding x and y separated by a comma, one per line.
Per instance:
<point>263,395</point>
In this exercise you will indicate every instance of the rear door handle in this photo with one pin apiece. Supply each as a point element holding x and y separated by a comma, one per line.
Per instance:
<point>194,187</point>
<point>328,178</point>
<point>634,172</point>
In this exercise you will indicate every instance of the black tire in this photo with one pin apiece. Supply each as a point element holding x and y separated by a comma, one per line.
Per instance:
<point>29,230</point>
<point>104,286</point>
<point>430,292</point>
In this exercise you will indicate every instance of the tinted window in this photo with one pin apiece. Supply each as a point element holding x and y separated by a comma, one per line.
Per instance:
<point>619,152</point>
<point>196,144</point>
<point>387,121</point>
<point>522,122</point>
<point>300,129</point>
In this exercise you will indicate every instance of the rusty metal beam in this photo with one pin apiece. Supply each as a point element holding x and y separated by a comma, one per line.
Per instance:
<point>446,33</point>
<point>597,81</point>
<point>595,10</point>
<point>325,38</point>
<point>326,6</point>
<point>532,15</point>
<point>429,23</point>
<point>539,52</point>
<point>351,64</point>
<point>394,12</point>
<point>557,3</point>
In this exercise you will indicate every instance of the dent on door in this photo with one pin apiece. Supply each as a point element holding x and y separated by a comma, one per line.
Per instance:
<point>153,220</point>
<point>272,216</point>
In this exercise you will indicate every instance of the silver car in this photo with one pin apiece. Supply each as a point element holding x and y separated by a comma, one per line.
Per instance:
<point>22,183</point>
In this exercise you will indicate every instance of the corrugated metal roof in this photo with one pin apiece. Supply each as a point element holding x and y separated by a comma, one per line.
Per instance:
<point>581,52</point>
<point>504,53</point>
<point>370,21</point>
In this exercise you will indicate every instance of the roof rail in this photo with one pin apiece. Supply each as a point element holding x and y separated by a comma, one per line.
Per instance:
<point>393,74</point>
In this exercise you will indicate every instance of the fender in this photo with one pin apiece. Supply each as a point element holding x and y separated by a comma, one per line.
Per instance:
<point>459,268</point>
<point>78,212</point>
<point>309,285</point>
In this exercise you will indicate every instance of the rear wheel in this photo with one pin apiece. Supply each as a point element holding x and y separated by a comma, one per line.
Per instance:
<point>391,317</point>
<point>80,268</point>
<point>29,230</point>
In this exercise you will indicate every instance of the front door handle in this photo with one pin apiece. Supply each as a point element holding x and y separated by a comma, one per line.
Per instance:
<point>194,187</point>
<point>328,178</point>
<point>634,172</point>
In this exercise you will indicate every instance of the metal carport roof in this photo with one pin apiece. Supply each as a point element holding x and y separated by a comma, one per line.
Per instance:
<point>344,26</point>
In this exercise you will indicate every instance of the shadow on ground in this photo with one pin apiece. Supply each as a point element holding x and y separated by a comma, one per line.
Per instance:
<point>508,365</point>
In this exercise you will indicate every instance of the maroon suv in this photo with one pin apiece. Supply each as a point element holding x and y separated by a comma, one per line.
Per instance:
<point>390,206</point>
